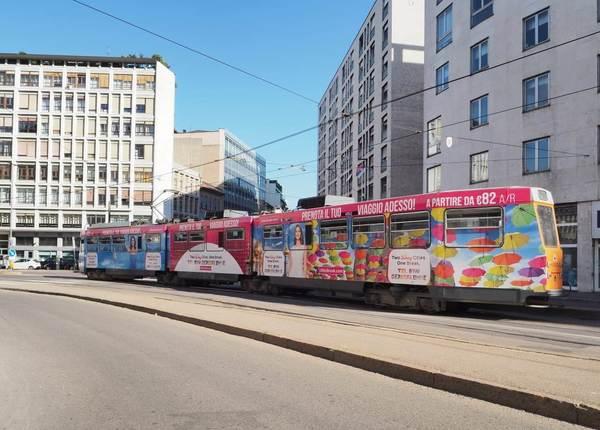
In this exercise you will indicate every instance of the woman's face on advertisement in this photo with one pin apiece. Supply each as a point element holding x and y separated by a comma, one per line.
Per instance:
<point>298,233</point>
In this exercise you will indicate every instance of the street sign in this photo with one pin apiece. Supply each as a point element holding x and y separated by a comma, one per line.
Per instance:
<point>12,253</point>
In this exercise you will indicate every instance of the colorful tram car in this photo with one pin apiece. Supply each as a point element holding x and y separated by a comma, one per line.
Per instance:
<point>496,245</point>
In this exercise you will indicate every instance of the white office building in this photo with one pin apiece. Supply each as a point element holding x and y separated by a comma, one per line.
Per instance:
<point>83,140</point>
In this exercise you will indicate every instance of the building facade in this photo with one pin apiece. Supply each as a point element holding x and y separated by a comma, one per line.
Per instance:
<point>534,121</point>
<point>368,147</point>
<point>241,176</point>
<point>274,195</point>
<point>79,144</point>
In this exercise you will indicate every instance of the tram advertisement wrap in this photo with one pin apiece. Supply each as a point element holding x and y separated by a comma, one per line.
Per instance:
<point>409,267</point>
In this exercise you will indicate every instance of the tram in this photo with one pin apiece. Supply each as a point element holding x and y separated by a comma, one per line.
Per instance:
<point>428,251</point>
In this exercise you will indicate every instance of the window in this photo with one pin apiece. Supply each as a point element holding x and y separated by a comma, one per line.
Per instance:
<point>548,227</point>
<point>444,28</point>
<point>410,230</point>
<point>122,82</point>
<point>145,82</point>
<point>7,78</point>
<point>26,172</point>
<point>25,196</point>
<point>6,123</point>
<point>474,228</point>
<point>385,35</point>
<point>4,219</point>
<point>384,159</point>
<point>479,56</point>
<point>434,136</point>
<point>72,221</point>
<point>48,220</point>
<point>143,175</point>
<point>384,66</point>
<point>385,9</point>
<point>384,128</point>
<point>139,152</point>
<point>384,96</point>
<point>273,237</point>
<point>566,220</point>
<point>6,100</point>
<point>479,111</point>
<point>144,128</point>
<point>142,198</point>
<point>334,234</point>
<point>383,187</point>
<point>197,236</point>
<point>442,76</point>
<point>536,29</point>
<point>102,173</point>
<point>57,102</point>
<point>536,92</point>
<point>4,195</point>
<point>26,148</point>
<point>235,234</point>
<point>535,155</point>
<point>144,105</point>
<point>434,179</point>
<point>368,232</point>
<point>27,124</point>
<point>180,236</point>
<point>5,171</point>
<point>30,79</point>
<point>75,80</point>
<point>25,220</point>
<point>5,148</point>
<point>479,167</point>
<point>481,10</point>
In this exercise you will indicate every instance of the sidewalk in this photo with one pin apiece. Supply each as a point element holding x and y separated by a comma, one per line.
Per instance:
<point>562,387</point>
<point>577,301</point>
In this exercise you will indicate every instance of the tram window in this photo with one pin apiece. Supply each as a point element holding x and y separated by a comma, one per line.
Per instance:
<point>197,236</point>
<point>92,240</point>
<point>118,243</point>
<point>474,228</point>
<point>104,243</point>
<point>181,236</point>
<point>273,237</point>
<point>334,234</point>
<point>410,230</point>
<point>152,238</point>
<point>548,226</point>
<point>368,232</point>
<point>235,234</point>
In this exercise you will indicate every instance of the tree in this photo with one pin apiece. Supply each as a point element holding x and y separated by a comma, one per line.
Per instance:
<point>156,57</point>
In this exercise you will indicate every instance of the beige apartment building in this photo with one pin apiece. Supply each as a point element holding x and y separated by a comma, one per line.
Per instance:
<point>531,122</point>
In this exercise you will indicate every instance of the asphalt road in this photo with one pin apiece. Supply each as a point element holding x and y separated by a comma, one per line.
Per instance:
<point>69,364</point>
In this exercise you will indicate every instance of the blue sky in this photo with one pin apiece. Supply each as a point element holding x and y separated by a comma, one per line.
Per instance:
<point>298,44</point>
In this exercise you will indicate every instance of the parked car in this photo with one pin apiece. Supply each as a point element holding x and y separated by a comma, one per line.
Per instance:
<point>65,263</point>
<point>26,263</point>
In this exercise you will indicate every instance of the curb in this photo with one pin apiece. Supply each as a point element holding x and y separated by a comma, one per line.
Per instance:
<point>535,403</point>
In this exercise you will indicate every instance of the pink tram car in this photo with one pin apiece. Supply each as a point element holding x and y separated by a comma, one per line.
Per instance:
<point>496,245</point>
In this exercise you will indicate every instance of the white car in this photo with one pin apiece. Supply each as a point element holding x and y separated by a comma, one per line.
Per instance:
<point>24,263</point>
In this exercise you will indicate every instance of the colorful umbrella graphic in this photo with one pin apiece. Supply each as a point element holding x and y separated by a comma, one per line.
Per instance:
<point>441,251</point>
<point>481,245</point>
<point>438,214</point>
<point>539,262</point>
<point>521,282</point>
<point>401,241</point>
<point>523,215</point>
<point>480,261</point>
<point>473,272</point>
<point>416,233</point>
<point>468,282</point>
<point>492,284</point>
<point>437,231</point>
<point>444,269</point>
<point>507,259</point>
<point>531,272</point>
<point>514,241</point>
<point>501,270</point>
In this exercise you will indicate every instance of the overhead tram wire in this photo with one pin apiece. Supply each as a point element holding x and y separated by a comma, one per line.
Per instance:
<point>417,132</point>
<point>196,51</point>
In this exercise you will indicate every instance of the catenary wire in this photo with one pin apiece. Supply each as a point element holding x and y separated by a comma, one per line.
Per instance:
<point>196,51</point>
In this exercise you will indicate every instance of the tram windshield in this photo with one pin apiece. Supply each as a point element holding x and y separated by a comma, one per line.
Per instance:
<point>547,225</point>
